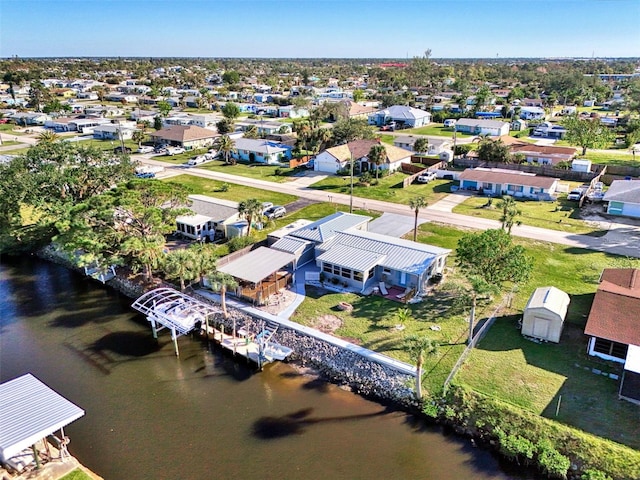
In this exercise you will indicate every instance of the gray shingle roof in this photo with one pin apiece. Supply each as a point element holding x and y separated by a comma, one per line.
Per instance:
<point>623,191</point>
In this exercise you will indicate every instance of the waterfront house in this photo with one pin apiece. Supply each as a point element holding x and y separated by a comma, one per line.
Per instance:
<point>613,326</point>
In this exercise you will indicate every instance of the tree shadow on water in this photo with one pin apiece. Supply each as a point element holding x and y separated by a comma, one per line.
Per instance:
<point>296,423</point>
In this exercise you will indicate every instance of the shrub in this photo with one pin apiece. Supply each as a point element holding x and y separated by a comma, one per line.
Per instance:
<point>278,172</point>
<point>592,474</point>
<point>224,187</point>
<point>238,243</point>
<point>551,460</point>
<point>515,447</point>
<point>462,149</point>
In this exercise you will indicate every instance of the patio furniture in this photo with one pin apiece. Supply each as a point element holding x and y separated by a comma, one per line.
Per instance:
<point>383,289</point>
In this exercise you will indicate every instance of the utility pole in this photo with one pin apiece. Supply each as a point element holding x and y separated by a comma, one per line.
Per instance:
<point>351,196</point>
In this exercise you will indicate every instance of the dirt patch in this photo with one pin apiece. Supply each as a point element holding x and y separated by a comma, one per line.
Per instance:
<point>327,323</point>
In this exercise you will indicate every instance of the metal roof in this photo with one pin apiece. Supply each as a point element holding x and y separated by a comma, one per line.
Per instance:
<point>325,228</point>
<point>29,411</point>
<point>193,220</point>
<point>290,244</point>
<point>395,253</point>
<point>353,258</point>
<point>257,264</point>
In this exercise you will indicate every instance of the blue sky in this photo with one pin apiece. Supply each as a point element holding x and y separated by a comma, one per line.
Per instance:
<point>320,28</point>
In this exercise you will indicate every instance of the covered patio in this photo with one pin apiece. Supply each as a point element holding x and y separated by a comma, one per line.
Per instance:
<point>260,273</point>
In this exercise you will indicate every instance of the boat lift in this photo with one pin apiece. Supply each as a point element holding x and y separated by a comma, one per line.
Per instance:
<point>168,308</point>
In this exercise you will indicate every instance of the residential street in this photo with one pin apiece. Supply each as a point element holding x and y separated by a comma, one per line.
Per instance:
<point>621,239</point>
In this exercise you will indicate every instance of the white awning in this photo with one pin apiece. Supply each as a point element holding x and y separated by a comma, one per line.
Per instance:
<point>257,264</point>
<point>633,359</point>
<point>29,411</point>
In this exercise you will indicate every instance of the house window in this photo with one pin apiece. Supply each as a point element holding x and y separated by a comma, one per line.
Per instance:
<point>346,272</point>
<point>327,267</point>
<point>616,207</point>
<point>371,273</point>
<point>487,186</point>
<point>358,276</point>
<point>607,347</point>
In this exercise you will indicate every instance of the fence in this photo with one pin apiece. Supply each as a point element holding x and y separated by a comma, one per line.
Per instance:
<point>475,339</point>
<point>415,169</point>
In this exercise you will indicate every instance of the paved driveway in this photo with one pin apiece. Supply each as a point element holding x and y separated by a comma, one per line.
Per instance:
<point>393,224</point>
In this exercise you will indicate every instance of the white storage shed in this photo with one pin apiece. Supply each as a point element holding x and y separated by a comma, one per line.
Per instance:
<point>544,314</point>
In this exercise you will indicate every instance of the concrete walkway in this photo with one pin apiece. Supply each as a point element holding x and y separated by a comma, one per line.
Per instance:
<point>448,203</point>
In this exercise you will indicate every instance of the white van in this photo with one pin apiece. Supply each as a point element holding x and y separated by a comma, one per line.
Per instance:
<point>449,123</point>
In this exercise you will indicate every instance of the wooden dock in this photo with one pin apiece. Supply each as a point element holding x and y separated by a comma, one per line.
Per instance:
<point>258,349</point>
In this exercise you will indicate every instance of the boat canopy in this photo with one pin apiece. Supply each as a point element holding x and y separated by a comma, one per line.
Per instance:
<point>173,309</point>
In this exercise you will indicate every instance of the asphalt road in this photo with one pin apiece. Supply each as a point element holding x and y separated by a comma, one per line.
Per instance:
<point>620,239</point>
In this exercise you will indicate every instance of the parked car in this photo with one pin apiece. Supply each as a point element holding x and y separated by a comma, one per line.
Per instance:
<point>145,149</point>
<point>175,151</point>
<point>275,212</point>
<point>426,177</point>
<point>575,195</point>
<point>122,150</point>
<point>450,122</point>
<point>146,175</point>
<point>197,160</point>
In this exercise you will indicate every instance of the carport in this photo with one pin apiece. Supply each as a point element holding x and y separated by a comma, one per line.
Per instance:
<point>260,273</point>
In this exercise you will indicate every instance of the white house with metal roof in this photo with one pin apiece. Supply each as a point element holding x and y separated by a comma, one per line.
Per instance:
<point>261,151</point>
<point>476,126</point>
<point>211,219</point>
<point>363,259</point>
<point>402,115</point>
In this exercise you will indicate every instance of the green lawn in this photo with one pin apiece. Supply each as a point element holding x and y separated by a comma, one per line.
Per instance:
<point>560,215</point>
<point>76,474</point>
<point>389,188</point>
<point>270,173</point>
<point>623,158</point>
<point>235,192</point>
<point>386,138</point>
<point>435,130</point>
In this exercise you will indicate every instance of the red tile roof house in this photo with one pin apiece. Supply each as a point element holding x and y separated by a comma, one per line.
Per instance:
<point>188,137</point>
<point>497,182</point>
<point>614,326</point>
<point>543,154</point>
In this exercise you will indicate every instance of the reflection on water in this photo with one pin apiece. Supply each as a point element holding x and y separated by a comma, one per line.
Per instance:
<point>204,415</point>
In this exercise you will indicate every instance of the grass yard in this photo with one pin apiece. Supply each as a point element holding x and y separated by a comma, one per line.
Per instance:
<point>76,474</point>
<point>561,215</point>
<point>436,130</point>
<point>623,158</point>
<point>389,188</point>
<point>235,192</point>
<point>386,138</point>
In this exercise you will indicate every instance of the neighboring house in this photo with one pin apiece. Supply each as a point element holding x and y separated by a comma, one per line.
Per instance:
<point>613,326</point>
<point>188,137</point>
<point>532,113</point>
<point>543,154</point>
<point>113,132</point>
<point>211,219</point>
<point>29,118</point>
<point>402,115</point>
<point>543,317</point>
<point>623,198</point>
<point>360,111</point>
<point>261,151</point>
<point>531,102</point>
<point>436,145</point>
<point>264,128</point>
<point>337,158</point>
<point>291,111</point>
<point>84,125</point>
<point>477,126</point>
<point>497,181</point>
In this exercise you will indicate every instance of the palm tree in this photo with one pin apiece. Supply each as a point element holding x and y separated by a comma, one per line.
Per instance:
<point>138,137</point>
<point>180,264</point>
<point>145,251</point>
<point>250,209</point>
<point>226,146</point>
<point>377,155</point>
<point>421,145</point>
<point>416,204</point>
<point>222,282</point>
<point>417,347</point>
<point>48,136</point>
<point>205,259</point>
<point>251,132</point>
<point>510,211</point>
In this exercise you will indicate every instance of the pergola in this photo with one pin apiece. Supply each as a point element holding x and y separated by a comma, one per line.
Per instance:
<point>174,310</point>
<point>29,412</point>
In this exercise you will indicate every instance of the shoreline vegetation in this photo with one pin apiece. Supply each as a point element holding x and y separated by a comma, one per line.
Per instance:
<point>526,439</point>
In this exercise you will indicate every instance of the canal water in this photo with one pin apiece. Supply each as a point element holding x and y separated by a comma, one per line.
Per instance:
<point>150,415</point>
